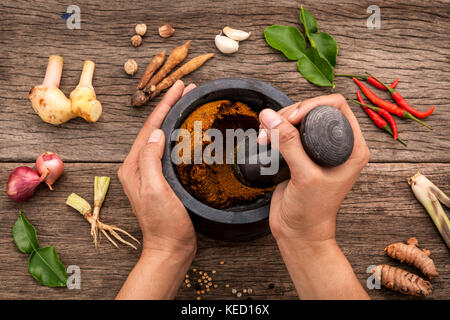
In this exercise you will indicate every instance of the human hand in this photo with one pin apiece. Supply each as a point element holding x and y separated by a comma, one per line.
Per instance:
<point>305,207</point>
<point>163,219</point>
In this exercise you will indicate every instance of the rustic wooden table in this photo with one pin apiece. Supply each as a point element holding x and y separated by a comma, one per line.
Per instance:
<point>413,44</point>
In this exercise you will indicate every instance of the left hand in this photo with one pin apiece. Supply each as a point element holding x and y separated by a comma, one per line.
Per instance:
<point>163,219</point>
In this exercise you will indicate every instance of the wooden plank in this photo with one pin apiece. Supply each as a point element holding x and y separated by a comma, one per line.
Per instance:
<point>412,44</point>
<point>379,210</point>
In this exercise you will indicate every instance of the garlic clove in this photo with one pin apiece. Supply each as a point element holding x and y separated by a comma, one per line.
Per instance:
<point>226,45</point>
<point>235,34</point>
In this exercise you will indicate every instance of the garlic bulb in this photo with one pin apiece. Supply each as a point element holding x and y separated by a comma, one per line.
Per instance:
<point>235,34</point>
<point>226,45</point>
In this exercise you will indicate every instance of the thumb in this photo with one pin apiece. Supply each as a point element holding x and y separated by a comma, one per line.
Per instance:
<point>288,142</point>
<point>150,166</point>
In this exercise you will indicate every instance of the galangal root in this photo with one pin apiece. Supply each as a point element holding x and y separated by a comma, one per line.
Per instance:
<point>54,107</point>
<point>151,85</point>
<point>402,281</point>
<point>410,253</point>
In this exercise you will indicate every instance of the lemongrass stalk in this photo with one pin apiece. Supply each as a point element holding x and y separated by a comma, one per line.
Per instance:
<point>429,195</point>
<point>79,204</point>
<point>83,207</point>
<point>101,186</point>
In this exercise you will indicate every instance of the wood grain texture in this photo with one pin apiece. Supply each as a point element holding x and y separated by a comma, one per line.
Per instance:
<point>381,209</point>
<point>413,44</point>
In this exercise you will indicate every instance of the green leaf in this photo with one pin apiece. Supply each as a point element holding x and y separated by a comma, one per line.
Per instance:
<point>309,22</point>
<point>326,45</point>
<point>310,64</point>
<point>44,265</point>
<point>24,235</point>
<point>286,39</point>
<point>316,69</point>
<point>323,42</point>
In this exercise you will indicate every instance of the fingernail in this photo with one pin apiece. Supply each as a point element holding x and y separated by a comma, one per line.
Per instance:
<point>293,114</point>
<point>270,118</point>
<point>155,136</point>
<point>262,137</point>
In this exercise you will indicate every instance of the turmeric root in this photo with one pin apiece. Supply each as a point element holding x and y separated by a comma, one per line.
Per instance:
<point>154,65</point>
<point>402,281</point>
<point>412,255</point>
<point>175,58</point>
<point>185,69</point>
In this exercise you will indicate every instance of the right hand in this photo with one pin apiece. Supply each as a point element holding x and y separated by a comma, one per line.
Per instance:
<point>305,207</point>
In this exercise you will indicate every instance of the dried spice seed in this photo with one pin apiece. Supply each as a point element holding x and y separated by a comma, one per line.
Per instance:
<point>199,298</point>
<point>239,294</point>
<point>216,286</point>
<point>166,31</point>
<point>136,40</point>
<point>202,291</point>
<point>244,291</point>
<point>188,285</point>
<point>194,270</point>
<point>227,285</point>
<point>250,290</point>
<point>214,271</point>
<point>130,67</point>
<point>141,29</point>
<point>233,291</point>
<point>186,276</point>
<point>222,262</point>
<point>208,290</point>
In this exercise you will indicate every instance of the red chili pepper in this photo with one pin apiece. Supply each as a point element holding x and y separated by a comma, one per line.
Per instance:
<point>370,80</point>
<point>377,119</point>
<point>385,114</point>
<point>378,85</point>
<point>402,103</point>
<point>389,106</point>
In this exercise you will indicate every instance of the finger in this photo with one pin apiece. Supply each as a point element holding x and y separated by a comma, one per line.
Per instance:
<point>263,138</point>
<point>288,142</point>
<point>189,88</point>
<point>156,119</point>
<point>150,166</point>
